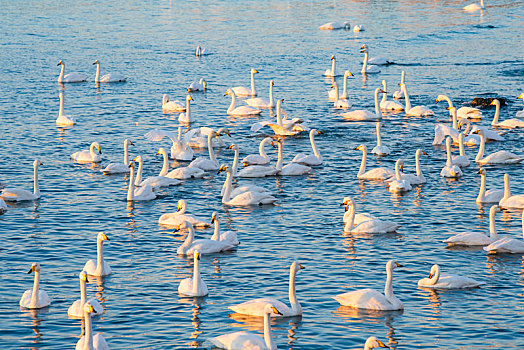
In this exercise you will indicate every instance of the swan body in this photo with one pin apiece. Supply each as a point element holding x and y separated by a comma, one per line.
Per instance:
<point>186,173</point>
<point>389,105</point>
<point>201,51</point>
<point>380,149</point>
<point>207,164</point>
<point>242,110</point>
<point>373,174</point>
<point>77,308</point>
<point>71,77</point>
<point>365,115</point>
<point>333,93</point>
<point>373,342</point>
<point>156,181</point>
<point>339,103</point>
<point>107,78</point>
<point>226,236</point>
<point>291,169</point>
<point>259,102</point>
<point>203,246</point>
<point>489,196</point>
<point>508,200</point>
<point>256,307</point>
<point>476,238</point>
<point>119,168</point>
<point>358,217</point>
<point>508,123</point>
<point>62,119</point>
<point>332,72</point>
<point>334,25</point>
<point>186,117</point>
<point>499,157</point>
<point>88,156</point>
<point>367,69</point>
<point>314,159</point>
<point>243,340</point>
<point>88,341</point>
<point>474,7</point>
<point>179,217</point>
<point>461,160</point>
<point>144,193</point>
<point>101,267</point>
<point>257,171</point>
<point>507,244</point>
<point>194,286</point>
<point>35,298</point>
<point>14,194</point>
<point>399,185</point>
<point>370,298</point>
<point>373,225</point>
<point>244,91</point>
<point>399,93</point>
<point>172,106</point>
<point>201,85</point>
<point>283,126</point>
<point>417,111</point>
<point>244,198</point>
<point>378,61</point>
<point>258,159</point>
<point>438,281</point>
<point>450,170</point>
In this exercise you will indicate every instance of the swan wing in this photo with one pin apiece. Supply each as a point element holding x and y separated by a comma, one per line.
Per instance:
<point>255,307</point>
<point>377,174</point>
<point>159,134</point>
<point>360,114</point>
<point>144,193</point>
<point>516,201</point>
<point>99,343</point>
<point>160,181</point>
<point>245,110</point>
<point>468,239</point>
<point>90,267</point>
<point>501,157</point>
<point>506,245</point>
<point>376,226</point>
<point>112,78</point>
<point>295,169</point>
<point>205,164</point>
<point>241,340</point>
<point>208,246</point>
<point>255,159</point>
<point>26,298</point>
<point>16,195</point>
<point>364,299</point>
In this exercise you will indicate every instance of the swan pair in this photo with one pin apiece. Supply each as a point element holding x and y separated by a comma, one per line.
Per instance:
<point>251,196</point>
<point>489,196</point>
<point>365,223</point>
<point>371,299</point>
<point>333,94</point>
<point>179,217</point>
<point>161,180</point>
<point>120,168</point>
<point>71,77</point>
<point>88,341</point>
<point>499,157</point>
<point>207,164</point>
<point>339,103</point>
<point>399,184</point>
<point>509,200</point>
<point>365,115</point>
<point>450,170</point>
<point>417,178</point>
<point>438,281</point>
<point>201,51</point>
<point>389,105</point>
<point>35,298</point>
<point>77,308</point>
<point>107,78</point>
<point>241,110</point>
<point>144,193</point>
<point>13,194</point>
<point>88,156</point>
<point>203,246</point>
<point>477,238</point>
<point>461,160</point>
<point>62,119</point>
<point>507,244</point>
<point>194,286</point>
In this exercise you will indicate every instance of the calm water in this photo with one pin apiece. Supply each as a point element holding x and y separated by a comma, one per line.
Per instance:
<point>442,49</point>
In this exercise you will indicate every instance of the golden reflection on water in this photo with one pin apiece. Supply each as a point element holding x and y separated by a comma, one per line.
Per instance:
<point>196,304</point>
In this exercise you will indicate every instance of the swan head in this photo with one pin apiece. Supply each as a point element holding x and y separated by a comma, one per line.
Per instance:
<point>96,62</point>
<point>268,309</point>
<point>315,132</point>
<point>88,308</point>
<point>434,270</point>
<point>129,142</point>
<point>392,264</point>
<point>225,168</point>
<point>102,237</point>
<point>361,148</point>
<point>228,92</point>
<point>161,151</point>
<point>34,267</point>
<point>400,164</point>
<point>196,254</point>
<point>276,142</point>
<point>295,266</point>
<point>482,171</point>
<point>137,159</point>
<point>131,165</point>
<point>521,95</point>
<point>347,201</point>
<point>233,146</point>
<point>348,74</point>
<point>494,209</point>
<point>183,225</point>
<point>60,63</point>
<point>495,102</point>
<point>419,151</point>
<point>332,57</point>
<point>223,131</point>
<point>97,146</point>
<point>36,163</point>
<point>364,49</point>
<point>253,71</point>
<point>83,276</point>
<point>441,98</point>
<point>373,342</point>
<point>214,216</point>
<point>189,98</point>
<point>181,205</point>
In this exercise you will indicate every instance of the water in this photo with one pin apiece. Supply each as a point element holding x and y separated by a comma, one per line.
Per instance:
<point>442,49</point>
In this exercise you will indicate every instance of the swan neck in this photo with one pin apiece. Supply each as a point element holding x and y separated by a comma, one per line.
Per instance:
<point>345,87</point>
<point>36,186</point>
<point>480,154</point>
<point>461,145</point>
<point>232,105</point>
<point>365,63</point>
<point>196,275</point>
<point>92,151</point>
<point>35,301</point>
<point>226,197</point>
<point>523,224</point>
<point>271,95</point>
<point>216,232</point>
<point>99,256</point>
<point>279,115</point>
<point>61,76</point>
<point>417,164</point>
<point>295,306</point>
<point>253,91</point>
<point>377,106</point>
<point>388,290</point>
<point>397,171</point>
<point>497,112</point>
<point>507,189</point>
<point>97,76</point>
<point>333,63</point>
<point>336,94</point>
<point>131,189</point>
<point>434,279</point>
<point>379,141</point>
<point>267,333</point>
<point>362,169</point>
<point>188,109</point>
<point>88,335</point>
<point>279,160</point>
<point>165,165</point>
<point>139,173</point>
<point>61,110</point>
<point>384,85</point>
<point>261,149</point>
<point>482,191</point>
<point>210,147</point>
<point>492,228</point>
<point>406,97</point>
<point>235,162</point>
<point>402,77</point>
<point>455,119</point>
<point>314,145</point>
<point>350,222</point>
<point>189,239</point>
<point>448,152</point>
<point>126,154</point>
<point>82,292</point>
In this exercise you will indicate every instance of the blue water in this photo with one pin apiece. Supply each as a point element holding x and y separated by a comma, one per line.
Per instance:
<point>441,48</point>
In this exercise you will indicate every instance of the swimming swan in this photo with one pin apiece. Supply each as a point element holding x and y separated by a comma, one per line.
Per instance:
<point>186,117</point>
<point>63,119</point>
<point>144,193</point>
<point>35,298</point>
<point>314,159</point>
<point>335,25</point>
<point>194,286</point>
<point>371,69</point>
<point>442,130</point>
<point>229,236</point>
<point>438,281</point>
<point>511,201</point>
<point>389,105</point>
<point>241,110</point>
<point>365,115</point>
<point>201,85</point>
<point>489,196</point>
<point>399,93</point>
<point>180,216</point>
<point>399,185</point>
<point>380,149</point>
<point>417,111</point>
<point>370,298</point>
<point>207,164</point>
<point>107,78</point>
<point>379,61</point>
<point>71,77</point>
<point>172,106</point>
<point>477,238</point>
<point>508,123</point>
<point>258,159</point>
<point>373,174</point>
<point>244,198</point>
<point>88,341</point>
<point>259,102</point>
<point>339,103</point>
<point>77,308</point>
<point>101,268</point>
<point>204,246</point>
<point>119,168</point>
<point>244,91</point>
<point>461,160</point>
<point>499,157</point>
<point>256,307</point>
<point>474,7</point>
<point>450,170</point>
<point>332,72</point>
<point>180,149</point>
<point>156,181</point>
<point>88,156</point>
<point>18,194</point>
<point>507,244</point>
<point>373,225</point>
<point>418,178</point>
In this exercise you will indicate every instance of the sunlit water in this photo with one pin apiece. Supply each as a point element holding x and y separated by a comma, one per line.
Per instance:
<point>442,49</point>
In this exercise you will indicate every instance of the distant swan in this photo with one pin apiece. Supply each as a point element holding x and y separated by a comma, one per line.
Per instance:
<point>379,61</point>
<point>332,72</point>
<point>332,94</point>
<point>399,93</point>
<point>77,308</point>
<point>63,119</point>
<point>258,159</point>
<point>418,178</point>
<point>373,174</point>
<point>14,194</point>
<point>88,156</point>
<point>204,163</point>
<point>462,112</point>
<point>489,196</point>
<point>474,7</point>
<point>244,91</point>
<point>108,78</point>
<point>339,103</point>
<point>335,25</point>
<point>244,198</point>
<point>399,185</point>
<point>229,236</point>
<point>194,286</point>
<point>201,85</point>
<point>438,281</point>
<point>389,105</point>
<point>119,168</point>
<point>201,51</point>
<point>161,180</point>
<point>71,77</point>
<point>461,160</point>
<point>101,267</point>
<point>35,298</point>
<point>290,169</point>
<point>282,127</point>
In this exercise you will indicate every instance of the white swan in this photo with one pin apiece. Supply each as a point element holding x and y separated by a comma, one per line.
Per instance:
<point>520,114</point>
<point>378,61</point>
<point>282,127</point>
<point>499,157</point>
<point>508,123</point>
<point>180,149</point>
<point>371,69</point>
<point>194,286</point>
<point>314,159</point>
<point>241,110</point>
<point>389,105</point>
<point>35,298</point>
<point>256,307</point>
<point>243,340</point>
<point>201,51</point>
<point>244,198</point>
<point>107,78</point>
<point>259,102</point>
<point>199,139</point>
<point>156,181</point>
<point>71,77</point>
<point>474,139</point>
<point>373,174</point>
<point>418,178</point>
<point>207,164</point>
<point>88,341</point>
<point>63,119</point>
<point>461,160</point>
<point>201,85</point>
<point>365,115</point>
<point>477,238</point>
<point>357,217</point>
<point>373,342</point>
<point>172,106</point>
<point>88,156</point>
<point>332,72</point>
<point>489,196</point>
<point>438,281</point>
<point>474,7</point>
<point>380,149</point>
<point>442,131</point>
<point>358,28</point>
<point>204,246</point>
<point>373,225</point>
<point>14,194</point>
<point>399,185</point>
<point>290,169</point>
<point>462,112</point>
<point>101,267</point>
<point>144,193</point>
<point>417,111</point>
<point>339,103</point>
<point>258,159</point>
<point>335,25</point>
<point>244,91</point>
<point>119,168</point>
<point>187,117</point>
<point>370,298</point>
<point>511,201</point>
<point>399,93</point>
<point>229,236</point>
<point>333,94</point>
<point>450,170</point>
<point>77,308</point>
<point>180,216</point>
<point>507,244</point>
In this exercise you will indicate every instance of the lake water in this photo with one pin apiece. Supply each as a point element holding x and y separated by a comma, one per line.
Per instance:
<point>441,48</point>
